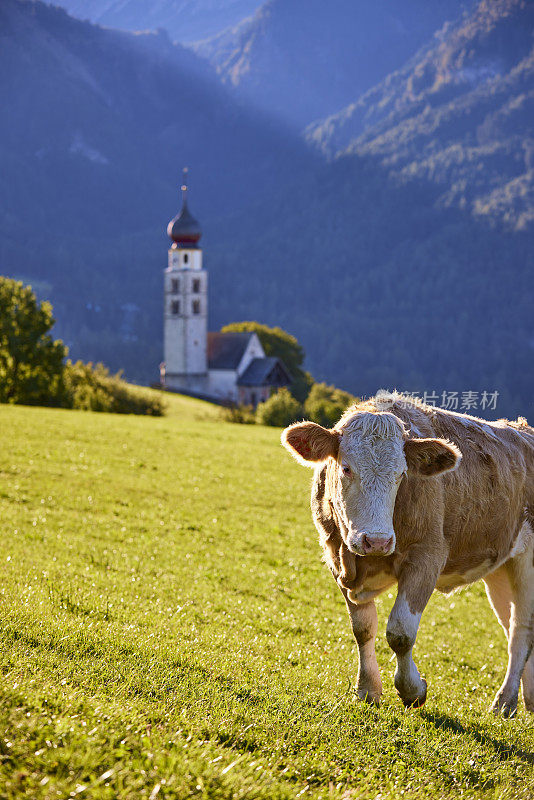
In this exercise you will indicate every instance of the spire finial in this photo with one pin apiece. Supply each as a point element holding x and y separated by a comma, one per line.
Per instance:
<point>184,230</point>
<point>184,183</point>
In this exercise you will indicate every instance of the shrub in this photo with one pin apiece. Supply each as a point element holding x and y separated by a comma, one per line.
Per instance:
<point>240,414</point>
<point>279,410</point>
<point>92,388</point>
<point>325,404</point>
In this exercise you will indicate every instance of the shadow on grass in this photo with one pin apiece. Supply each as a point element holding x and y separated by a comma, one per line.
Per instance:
<point>503,750</point>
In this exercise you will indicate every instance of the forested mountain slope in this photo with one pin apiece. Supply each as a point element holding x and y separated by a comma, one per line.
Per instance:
<point>385,288</point>
<point>304,59</point>
<point>460,114</point>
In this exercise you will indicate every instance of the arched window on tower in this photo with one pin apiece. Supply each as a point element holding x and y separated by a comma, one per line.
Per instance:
<point>175,286</point>
<point>175,307</point>
<point>186,258</point>
<point>196,286</point>
<point>196,306</point>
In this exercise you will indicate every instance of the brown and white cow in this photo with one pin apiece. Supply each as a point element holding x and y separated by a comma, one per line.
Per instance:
<point>428,499</point>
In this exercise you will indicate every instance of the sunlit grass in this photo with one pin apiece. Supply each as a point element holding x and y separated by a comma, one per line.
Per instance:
<point>168,630</point>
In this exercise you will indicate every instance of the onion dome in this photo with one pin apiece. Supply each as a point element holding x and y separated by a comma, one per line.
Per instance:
<point>184,230</point>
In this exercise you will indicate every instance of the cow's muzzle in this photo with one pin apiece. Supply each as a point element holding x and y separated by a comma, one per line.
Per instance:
<point>376,544</point>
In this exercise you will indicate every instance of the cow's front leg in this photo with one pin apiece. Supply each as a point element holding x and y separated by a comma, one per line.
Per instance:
<point>364,621</point>
<point>347,565</point>
<point>415,587</point>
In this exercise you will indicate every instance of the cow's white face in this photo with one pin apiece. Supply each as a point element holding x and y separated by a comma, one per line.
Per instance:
<point>371,454</point>
<point>370,466</point>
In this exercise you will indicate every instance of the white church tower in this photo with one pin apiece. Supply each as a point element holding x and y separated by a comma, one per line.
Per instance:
<point>186,305</point>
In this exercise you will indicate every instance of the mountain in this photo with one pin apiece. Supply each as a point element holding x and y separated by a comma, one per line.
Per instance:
<point>459,114</point>
<point>100,124</point>
<point>383,284</point>
<point>385,289</point>
<point>302,60</point>
<point>184,20</point>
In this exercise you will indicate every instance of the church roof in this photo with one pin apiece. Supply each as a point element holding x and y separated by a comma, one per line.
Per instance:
<point>225,350</point>
<point>184,229</point>
<point>267,371</point>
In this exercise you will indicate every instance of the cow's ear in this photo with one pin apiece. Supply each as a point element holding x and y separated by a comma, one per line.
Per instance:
<point>430,457</point>
<point>310,443</point>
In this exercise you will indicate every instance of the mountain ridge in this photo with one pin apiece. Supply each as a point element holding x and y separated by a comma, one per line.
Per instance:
<point>185,20</point>
<point>459,113</point>
<point>300,61</point>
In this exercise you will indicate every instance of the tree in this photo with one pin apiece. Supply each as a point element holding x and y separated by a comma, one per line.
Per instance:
<point>31,362</point>
<point>279,410</point>
<point>325,404</point>
<point>277,342</point>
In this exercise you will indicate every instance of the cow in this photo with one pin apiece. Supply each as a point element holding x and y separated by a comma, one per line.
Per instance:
<point>426,498</point>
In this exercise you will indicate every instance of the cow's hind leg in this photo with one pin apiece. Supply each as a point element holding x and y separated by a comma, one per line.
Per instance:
<point>527,682</point>
<point>500,595</point>
<point>364,621</point>
<point>520,636</point>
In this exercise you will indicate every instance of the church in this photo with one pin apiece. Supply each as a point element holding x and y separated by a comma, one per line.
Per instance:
<point>229,368</point>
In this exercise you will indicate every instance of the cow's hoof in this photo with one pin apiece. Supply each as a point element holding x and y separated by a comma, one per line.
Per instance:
<point>415,702</point>
<point>371,698</point>
<point>504,706</point>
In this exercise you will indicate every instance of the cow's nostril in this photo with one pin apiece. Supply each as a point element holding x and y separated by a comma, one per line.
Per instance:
<point>366,542</point>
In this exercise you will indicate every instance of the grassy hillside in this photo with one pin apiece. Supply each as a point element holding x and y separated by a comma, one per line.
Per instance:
<point>168,631</point>
<point>187,409</point>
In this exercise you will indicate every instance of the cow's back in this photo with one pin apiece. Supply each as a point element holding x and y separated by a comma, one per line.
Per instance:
<point>488,499</point>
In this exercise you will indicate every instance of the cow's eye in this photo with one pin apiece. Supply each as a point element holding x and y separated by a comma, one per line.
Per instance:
<point>346,470</point>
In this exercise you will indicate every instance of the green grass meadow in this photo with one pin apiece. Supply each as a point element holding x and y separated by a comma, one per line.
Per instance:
<point>168,630</point>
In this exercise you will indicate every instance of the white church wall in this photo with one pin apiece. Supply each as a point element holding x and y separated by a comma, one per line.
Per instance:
<point>197,384</point>
<point>222,383</point>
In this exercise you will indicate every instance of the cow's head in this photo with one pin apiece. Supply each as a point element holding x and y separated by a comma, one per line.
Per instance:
<point>370,454</point>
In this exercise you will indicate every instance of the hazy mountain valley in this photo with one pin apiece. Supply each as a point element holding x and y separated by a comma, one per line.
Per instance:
<point>395,240</point>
